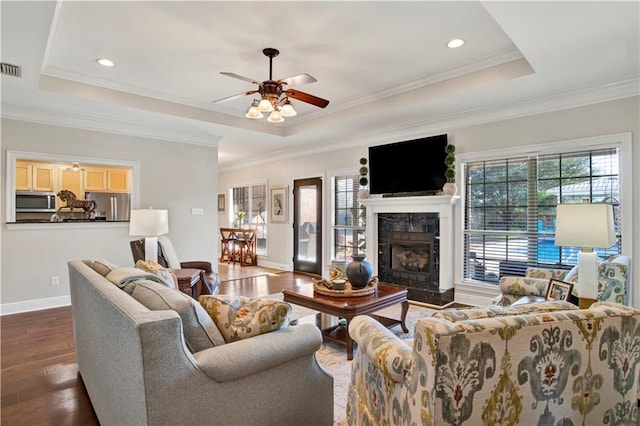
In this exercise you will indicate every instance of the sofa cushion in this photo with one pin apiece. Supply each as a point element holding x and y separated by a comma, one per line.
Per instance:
<point>491,311</point>
<point>239,317</point>
<point>546,273</point>
<point>165,274</point>
<point>199,330</point>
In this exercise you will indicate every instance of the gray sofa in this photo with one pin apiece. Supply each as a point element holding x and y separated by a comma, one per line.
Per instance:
<point>138,369</point>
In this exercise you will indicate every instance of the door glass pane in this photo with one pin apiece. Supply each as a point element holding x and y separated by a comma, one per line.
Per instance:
<point>308,222</point>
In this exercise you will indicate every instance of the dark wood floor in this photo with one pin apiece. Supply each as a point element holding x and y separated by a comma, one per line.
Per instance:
<point>38,371</point>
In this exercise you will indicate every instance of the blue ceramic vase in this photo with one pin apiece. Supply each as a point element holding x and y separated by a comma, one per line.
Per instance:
<point>359,271</point>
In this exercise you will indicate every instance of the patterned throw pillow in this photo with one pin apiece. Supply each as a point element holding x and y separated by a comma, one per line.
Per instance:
<point>165,274</point>
<point>239,317</point>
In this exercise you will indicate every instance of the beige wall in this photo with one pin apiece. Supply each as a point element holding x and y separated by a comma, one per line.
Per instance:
<point>594,120</point>
<point>173,176</point>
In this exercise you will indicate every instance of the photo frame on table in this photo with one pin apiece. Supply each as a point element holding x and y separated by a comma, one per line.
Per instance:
<point>279,204</point>
<point>222,202</point>
<point>559,290</point>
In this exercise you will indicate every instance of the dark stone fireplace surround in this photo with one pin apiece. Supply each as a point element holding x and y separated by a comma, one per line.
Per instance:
<point>405,245</point>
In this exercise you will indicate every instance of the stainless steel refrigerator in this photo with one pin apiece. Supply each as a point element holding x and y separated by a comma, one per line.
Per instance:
<point>112,206</point>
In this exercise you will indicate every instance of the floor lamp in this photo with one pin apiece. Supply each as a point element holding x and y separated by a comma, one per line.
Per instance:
<point>587,226</point>
<point>149,223</point>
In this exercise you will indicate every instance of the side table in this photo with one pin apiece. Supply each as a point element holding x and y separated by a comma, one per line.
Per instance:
<point>189,281</point>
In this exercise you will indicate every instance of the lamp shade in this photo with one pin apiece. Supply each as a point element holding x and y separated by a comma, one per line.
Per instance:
<point>265,106</point>
<point>585,225</point>
<point>149,222</point>
<point>253,113</point>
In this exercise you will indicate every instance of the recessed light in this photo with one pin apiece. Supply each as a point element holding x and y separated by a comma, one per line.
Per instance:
<point>106,62</point>
<point>455,43</point>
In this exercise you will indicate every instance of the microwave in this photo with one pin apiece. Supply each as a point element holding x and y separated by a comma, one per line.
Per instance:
<point>35,202</point>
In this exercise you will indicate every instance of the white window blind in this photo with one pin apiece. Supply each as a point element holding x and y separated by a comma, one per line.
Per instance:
<point>348,218</point>
<point>510,209</point>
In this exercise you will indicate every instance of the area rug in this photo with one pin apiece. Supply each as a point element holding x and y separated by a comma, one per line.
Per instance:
<point>333,356</point>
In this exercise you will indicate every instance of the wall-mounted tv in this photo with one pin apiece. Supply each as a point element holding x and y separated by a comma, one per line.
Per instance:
<point>408,168</point>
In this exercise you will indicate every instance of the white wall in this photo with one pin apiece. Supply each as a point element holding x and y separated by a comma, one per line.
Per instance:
<point>600,119</point>
<point>173,176</point>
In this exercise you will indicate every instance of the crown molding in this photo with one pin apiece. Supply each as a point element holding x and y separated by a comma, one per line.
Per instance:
<point>576,98</point>
<point>104,123</point>
<point>539,105</point>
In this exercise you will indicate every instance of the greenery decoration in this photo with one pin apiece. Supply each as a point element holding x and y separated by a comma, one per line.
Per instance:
<point>363,172</point>
<point>450,161</point>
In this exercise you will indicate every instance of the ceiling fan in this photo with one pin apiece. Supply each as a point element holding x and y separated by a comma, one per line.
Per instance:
<point>275,94</point>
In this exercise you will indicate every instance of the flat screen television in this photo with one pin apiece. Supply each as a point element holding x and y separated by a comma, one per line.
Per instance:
<point>413,167</point>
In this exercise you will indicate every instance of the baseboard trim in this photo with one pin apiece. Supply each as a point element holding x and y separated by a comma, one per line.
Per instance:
<point>34,305</point>
<point>273,265</point>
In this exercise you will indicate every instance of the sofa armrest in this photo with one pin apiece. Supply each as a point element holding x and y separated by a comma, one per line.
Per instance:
<point>244,358</point>
<point>546,273</point>
<point>613,280</point>
<point>521,286</point>
<point>390,354</point>
<point>197,264</point>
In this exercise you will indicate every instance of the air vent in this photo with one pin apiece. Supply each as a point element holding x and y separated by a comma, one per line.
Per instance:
<point>12,70</point>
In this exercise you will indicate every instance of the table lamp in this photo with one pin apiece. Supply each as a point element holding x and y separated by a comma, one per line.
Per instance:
<point>149,223</point>
<point>586,226</point>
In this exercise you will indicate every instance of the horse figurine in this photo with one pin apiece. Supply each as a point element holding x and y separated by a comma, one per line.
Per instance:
<point>89,206</point>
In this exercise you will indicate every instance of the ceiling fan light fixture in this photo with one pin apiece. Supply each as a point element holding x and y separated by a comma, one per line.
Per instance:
<point>253,113</point>
<point>287,110</point>
<point>275,117</point>
<point>265,106</point>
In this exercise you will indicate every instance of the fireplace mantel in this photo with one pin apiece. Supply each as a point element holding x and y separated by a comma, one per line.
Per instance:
<point>441,204</point>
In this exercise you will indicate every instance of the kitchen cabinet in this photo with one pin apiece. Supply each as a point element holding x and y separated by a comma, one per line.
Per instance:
<point>118,180</point>
<point>107,179</point>
<point>95,179</point>
<point>70,180</point>
<point>24,176</point>
<point>34,176</point>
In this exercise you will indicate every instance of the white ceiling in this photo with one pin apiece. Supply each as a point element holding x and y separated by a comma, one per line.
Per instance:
<point>383,66</point>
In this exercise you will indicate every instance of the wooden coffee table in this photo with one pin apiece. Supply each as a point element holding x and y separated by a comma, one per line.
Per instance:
<point>349,307</point>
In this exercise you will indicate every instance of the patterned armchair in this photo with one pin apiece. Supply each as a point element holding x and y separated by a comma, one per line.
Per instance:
<point>525,364</point>
<point>613,282</point>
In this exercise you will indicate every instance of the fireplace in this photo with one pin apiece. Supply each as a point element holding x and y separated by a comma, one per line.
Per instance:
<point>405,245</point>
<point>407,255</point>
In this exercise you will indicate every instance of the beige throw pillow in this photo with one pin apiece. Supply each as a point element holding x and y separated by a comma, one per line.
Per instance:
<point>103,267</point>
<point>239,317</point>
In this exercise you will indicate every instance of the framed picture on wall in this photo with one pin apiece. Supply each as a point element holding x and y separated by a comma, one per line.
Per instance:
<point>559,290</point>
<point>279,204</point>
<point>222,202</point>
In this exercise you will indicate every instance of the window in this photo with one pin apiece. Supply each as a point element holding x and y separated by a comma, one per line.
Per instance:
<point>252,200</point>
<point>510,208</point>
<point>348,218</point>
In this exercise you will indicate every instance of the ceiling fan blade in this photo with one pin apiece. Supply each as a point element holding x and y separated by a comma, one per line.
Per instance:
<point>305,97</point>
<point>298,80</point>
<point>240,77</point>
<point>239,95</point>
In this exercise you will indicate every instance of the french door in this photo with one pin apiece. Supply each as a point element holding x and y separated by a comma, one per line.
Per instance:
<point>307,225</point>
